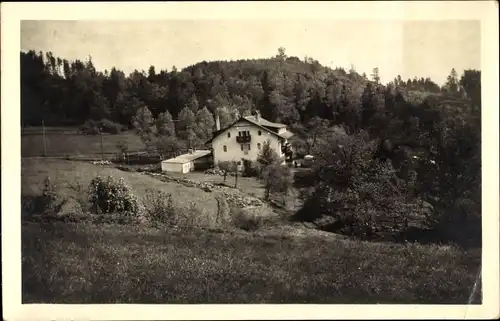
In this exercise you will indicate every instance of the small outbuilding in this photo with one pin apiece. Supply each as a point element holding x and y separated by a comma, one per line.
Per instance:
<point>194,159</point>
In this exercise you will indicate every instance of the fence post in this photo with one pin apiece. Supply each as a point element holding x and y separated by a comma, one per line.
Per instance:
<point>44,143</point>
<point>102,150</point>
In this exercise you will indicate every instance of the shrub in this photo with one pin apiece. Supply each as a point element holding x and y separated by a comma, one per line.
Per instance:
<point>48,197</point>
<point>277,180</point>
<point>251,168</point>
<point>107,126</point>
<point>93,127</point>
<point>304,178</point>
<point>191,216</point>
<point>82,196</point>
<point>112,195</point>
<point>89,128</point>
<point>246,220</point>
<point>158,207</point>
<point>45,202</point>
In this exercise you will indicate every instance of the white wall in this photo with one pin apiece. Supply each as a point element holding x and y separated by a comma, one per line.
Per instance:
<point>177,167</point>
<point>234,152</point>
<point>171,167</point>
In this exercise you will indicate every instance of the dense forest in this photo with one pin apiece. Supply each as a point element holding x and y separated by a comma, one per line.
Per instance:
<point>430,133</point>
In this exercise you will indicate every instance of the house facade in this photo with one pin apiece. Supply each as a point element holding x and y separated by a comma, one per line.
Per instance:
<point>245,138</point>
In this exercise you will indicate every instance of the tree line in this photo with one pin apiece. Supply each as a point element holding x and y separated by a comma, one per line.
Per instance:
<point>284,89</point>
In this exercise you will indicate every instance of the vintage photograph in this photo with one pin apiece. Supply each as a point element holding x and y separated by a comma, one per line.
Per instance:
<point>251,161</point>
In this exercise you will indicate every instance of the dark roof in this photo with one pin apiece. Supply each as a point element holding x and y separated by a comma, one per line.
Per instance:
<point>262,123</point>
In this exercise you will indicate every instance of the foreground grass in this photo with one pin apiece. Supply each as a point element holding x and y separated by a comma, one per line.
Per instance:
<point>65,263</point>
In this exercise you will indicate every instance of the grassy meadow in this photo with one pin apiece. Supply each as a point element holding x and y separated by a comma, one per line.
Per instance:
<point>67,174</point>
<point>111,263</point>
<point>62,142</point>
<point>130,264</point>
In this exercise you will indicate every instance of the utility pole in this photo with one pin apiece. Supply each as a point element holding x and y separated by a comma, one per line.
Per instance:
<point>102,150</point>
<point>44,143</point>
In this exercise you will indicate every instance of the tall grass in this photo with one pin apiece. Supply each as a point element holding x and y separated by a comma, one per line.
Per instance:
<point>65,263</point>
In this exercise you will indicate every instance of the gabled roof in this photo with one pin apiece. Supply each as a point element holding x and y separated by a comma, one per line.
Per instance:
<point>261,123</point>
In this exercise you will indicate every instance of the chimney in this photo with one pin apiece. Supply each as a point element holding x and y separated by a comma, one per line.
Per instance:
<point>257,115</point>
<point>217,122</point>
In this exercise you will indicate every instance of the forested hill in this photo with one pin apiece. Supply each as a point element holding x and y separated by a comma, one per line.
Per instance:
<point>431,134</point>
<point>285,89</point>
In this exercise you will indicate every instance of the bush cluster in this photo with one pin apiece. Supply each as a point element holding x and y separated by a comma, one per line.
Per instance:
<point>159,207</point>
<point>42,203</point>
<point>251,168</point>
<point>93,127</point>
<point>363,194</point>
<point>112,195</point>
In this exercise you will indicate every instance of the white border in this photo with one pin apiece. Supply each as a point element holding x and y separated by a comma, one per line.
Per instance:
<point>12,13</point>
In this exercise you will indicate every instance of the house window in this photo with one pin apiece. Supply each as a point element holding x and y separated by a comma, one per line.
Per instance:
<point>258,145</point>
<point>241,147</point>
<point>225,148</point>
<point>244,133</point>
<point>248,146</point>
<point>228,135</point>
<point>260,133</point>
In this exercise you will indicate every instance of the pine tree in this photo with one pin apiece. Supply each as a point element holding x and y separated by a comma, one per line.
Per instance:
<point>375,75</point>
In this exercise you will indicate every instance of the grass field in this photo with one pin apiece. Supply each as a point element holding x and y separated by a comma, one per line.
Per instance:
<point>108,263</point>
<point>64,173</point>
<point>65,263</point>
<point>61,142</point>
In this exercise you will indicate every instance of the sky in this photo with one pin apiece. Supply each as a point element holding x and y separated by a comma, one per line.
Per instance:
<point>411,48</point>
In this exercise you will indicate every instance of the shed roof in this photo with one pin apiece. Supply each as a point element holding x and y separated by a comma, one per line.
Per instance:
<point>287,134</point>
<point>184,158</point>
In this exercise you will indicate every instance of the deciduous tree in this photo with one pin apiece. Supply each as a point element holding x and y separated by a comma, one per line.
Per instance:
<point>165,124</point>
<point>205,124</point>
<point>267,155</point>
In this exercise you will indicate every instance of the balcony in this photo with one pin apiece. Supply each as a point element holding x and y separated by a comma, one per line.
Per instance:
<point>243,139</point>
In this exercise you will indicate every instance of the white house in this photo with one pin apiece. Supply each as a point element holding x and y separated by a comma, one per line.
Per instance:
<point>244,139</point>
